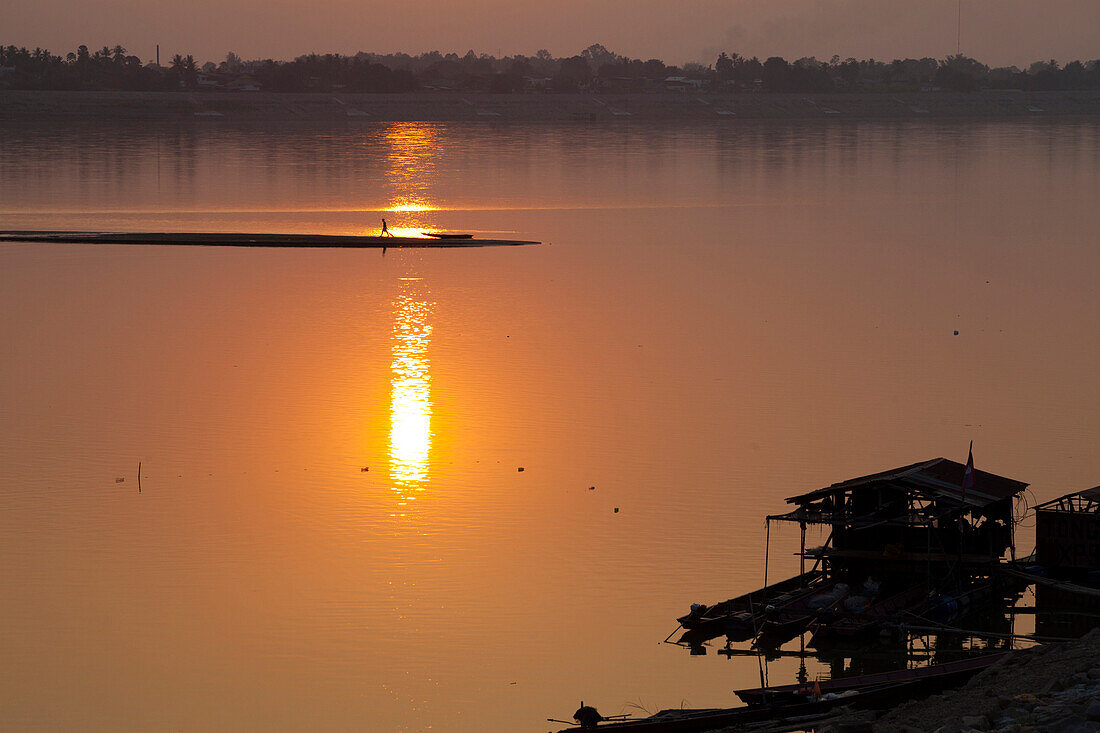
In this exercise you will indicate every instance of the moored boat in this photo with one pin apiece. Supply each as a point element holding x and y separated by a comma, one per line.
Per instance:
<point>801,712</point>
<point>871,618</point>
<point>739,617</point>
<point>786,622</point>
<point>447,235</point>
<point>919,679</point>
<point>698,721</point>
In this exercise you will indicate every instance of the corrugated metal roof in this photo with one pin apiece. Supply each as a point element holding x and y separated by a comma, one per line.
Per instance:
<point>936,476</point>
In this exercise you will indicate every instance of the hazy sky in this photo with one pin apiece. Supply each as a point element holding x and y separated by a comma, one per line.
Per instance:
<point>998,32</point>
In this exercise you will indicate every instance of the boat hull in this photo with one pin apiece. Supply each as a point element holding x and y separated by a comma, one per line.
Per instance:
<point>740,616</point>
<point>939,676</point>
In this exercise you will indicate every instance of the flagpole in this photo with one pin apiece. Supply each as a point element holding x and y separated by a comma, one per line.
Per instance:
<point>958,35</point>
<point>968,479</point>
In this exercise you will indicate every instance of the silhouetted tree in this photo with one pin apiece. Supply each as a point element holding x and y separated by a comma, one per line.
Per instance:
<point>521,67</point>
<point>232,63</point>
<point>572,74</point>
<point>776,74</point>
<point>961,74</point>
<point>596,56</point>
<point>723,67</point>
<point>190,72</point>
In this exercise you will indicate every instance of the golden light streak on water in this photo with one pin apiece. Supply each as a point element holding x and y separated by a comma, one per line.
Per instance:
<point>411,143</point>
<point>407,232</point>
<point>410,394</point>
<point>413,148</point>
<point>410,207</point>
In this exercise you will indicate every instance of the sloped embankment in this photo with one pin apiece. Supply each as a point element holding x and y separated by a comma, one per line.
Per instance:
<point>1043,689</point>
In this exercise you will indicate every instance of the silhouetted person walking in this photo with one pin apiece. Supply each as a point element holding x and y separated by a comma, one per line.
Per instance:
<point>385,229</point>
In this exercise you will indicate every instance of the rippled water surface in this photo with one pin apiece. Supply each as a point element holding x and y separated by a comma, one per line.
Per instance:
<point>464,490</point>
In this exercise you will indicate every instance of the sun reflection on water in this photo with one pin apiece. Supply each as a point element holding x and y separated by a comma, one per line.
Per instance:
<point>414,231</point>
<point>410,393</point>
<point>413,149</point>
<point>410,207</point>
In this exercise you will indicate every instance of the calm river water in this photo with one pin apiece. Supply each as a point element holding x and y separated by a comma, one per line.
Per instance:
<point>567,444</point>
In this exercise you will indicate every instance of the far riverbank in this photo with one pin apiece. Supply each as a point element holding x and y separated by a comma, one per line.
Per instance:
<point>463,107</point>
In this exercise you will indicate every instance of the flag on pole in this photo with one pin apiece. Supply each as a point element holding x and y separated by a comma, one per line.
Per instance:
<point>968,474</point>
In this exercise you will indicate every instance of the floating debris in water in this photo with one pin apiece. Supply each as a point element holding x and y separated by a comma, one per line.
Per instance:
<point>364,469</point>
<point>956,333</point>
<point>616,510</point>
<point>119,480</point>
<point>520,469</point>
<point>591,488</point>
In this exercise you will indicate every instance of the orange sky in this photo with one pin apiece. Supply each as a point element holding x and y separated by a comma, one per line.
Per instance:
<point>999,32</point>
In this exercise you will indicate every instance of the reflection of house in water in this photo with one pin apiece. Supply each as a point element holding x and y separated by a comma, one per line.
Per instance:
<point>911,523</point>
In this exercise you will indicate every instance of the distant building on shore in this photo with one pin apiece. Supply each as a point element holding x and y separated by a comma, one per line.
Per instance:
<point>683,84</point>
<point>214,81</point>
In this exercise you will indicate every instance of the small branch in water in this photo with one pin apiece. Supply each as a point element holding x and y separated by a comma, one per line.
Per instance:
<point>139,477</point>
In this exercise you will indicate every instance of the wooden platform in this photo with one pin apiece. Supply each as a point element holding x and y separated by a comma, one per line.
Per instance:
<point>901,557</point>
<point>231,239</point>
<point>1062,585</point>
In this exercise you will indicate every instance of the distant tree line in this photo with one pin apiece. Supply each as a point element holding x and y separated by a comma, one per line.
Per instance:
<point>332,72</point>
<point>107,68</point>
<point>595,69</point>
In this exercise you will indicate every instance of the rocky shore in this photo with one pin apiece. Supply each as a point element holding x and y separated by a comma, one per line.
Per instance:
<point>213,107</point>
<point>1046,689</point>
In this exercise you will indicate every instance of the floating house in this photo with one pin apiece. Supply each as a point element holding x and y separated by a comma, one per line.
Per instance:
<point>1067,553</point>
<point>911,549</point>
<point>916,521</point>
<point>1067,533</point>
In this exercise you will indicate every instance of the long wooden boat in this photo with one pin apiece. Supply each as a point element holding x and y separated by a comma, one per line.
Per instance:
<point>738,617</point>
<point>870,619</point>
<point>447,235</point>
<point>697,721</point>
<point>918,680</point>
<point>237,239</point>
<point>800,711</point>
